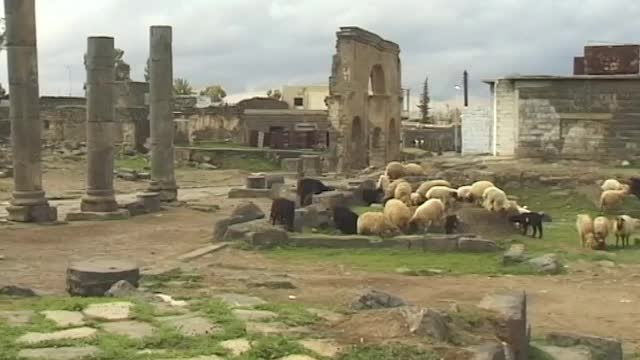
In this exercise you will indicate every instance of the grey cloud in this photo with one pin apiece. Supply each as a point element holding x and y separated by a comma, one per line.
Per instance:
<point>256,44</point>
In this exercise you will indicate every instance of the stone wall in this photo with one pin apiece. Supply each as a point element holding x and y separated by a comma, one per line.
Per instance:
<point>431,138</point>
<point>579,118</point>
<point>505,126</point>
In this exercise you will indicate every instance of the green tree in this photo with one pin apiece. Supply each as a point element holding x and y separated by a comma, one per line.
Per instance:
<point>215,92</point>
<point>274,94</point>
<point>424,102</point>
<point>182,87</point>
<point>123,70</point>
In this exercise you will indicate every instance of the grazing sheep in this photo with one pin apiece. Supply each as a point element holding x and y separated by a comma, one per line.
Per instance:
<point>445,194</point>
<point>390,190</point>
<point>427,185</point>
<point>375,223</point>
<point>612,198</point>
<point>494,199</point>
<point>613,184</point>
<point>398,214</point>
<point>283,213</point>
<point>306,188</point>
<point>372,196</point>
<point>394,170</point>
<point>529,219</point>
<point>623,226</point>
<point>464,193</point>
<point>601,228</point>
<point>403,192</point>
<point>477,189</point>
<point>417,199</point>
<point>430,213</point>
<point>451,223</point>
<point>383,182</point>
<point>584,225</point>
<point>345,220</point>
<point>413,170</point>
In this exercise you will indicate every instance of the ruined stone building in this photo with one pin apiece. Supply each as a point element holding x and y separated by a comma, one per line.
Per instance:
<point>365,100</point>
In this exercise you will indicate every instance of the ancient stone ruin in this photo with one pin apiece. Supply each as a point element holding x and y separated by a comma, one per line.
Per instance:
<point>364,100</point>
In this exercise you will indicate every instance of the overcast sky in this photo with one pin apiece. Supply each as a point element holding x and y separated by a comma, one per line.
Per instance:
<point>253,45</point>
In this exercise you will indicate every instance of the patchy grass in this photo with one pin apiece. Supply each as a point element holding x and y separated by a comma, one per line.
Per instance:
<point>160,281</point>
<point>137,162</point>
<point>389,260</point>
<point>221,314</point>
<point>538,354</point>
<point>363,209</point>
<point>249,161</point>
<point>272,348</point>
<point>387,352</point>
<point>291,314</point>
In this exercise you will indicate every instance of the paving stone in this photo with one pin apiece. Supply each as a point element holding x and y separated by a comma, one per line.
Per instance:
<point>254,315</point>
<point>321,347</point>
<point>272,328</point>
<point>132,329</point>
<point>569,353</point>
<point>236,347</point>
<point>326,315</point>
<point>297,357</point>
<point>151,352</point>
<point>60,353</point>
<point>191,324</point>
<point>109,311</point>
<point>239,300</point>
<point>69,334</point>
<point>64,318</point>
<point>17,317</point>
<point>164,309</point>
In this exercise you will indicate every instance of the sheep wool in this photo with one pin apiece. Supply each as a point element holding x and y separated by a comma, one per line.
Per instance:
<point>403,192</point>
<point>427,185</point>
<point>432,212</point>
<point>495,199</point>
<point>601,228</point>
<point>375,223</point>
<point>612,184</point>
<point>477,189</point>
<point>413,170</point>
<point>395,170</point>
<point>398,214</point>
<point>610,199</point>
<point>584,226</point>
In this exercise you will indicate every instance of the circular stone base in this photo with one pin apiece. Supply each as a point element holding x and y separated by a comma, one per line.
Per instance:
<point>94,277</point>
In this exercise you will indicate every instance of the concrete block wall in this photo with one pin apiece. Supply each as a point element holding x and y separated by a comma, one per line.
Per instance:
<point>506,114</point>
<point>477,130</point>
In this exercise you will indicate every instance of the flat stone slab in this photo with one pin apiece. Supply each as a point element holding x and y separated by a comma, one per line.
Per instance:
<point>236,347</point>
<point>60,353</point>
<point>570,353</point>
<point>191,324</point>
<point>151,352</point>
<point>121,214</point>
<point>132,329</point>
<point>64,318</point>
<point>272,328</point>
<point>321,347</point>
<point>69,334</point>
<point>239,300</point>
<point>254,315</point>
<point>114,311</point>
<point>18,317</point>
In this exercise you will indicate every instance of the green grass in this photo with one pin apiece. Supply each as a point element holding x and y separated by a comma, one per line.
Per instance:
<point>363,209</point>
<point>248,161</point>
<point>387,352</point>
<point>136,162</point>
<point>538,354</point>
<point>291,314</point>
<point>161,281</point>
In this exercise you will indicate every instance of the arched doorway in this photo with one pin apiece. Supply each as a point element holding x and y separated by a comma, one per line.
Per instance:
<point>377,84</point>
<point>392,138</point>
<point>375,138</point>
<point>357,142</point>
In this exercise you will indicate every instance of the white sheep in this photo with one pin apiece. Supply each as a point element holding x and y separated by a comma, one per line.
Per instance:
<point>413,170</point>
<point>394,170</point>
<point>446,194</point>
<point>601,229</point>
<point>477,189</point>
<point>432,212</point>
<point>623,227</point>
<point>584,226</point>
<point>403,192</point>
<point>464,192</point>
<point>612,198</point>
<point>398,214</point>
<point>383,182</point>
<point>417,199</point>
<point>494,199</point>
<point>375,223</point>
<point>425,186</point>
<point>613,184</point>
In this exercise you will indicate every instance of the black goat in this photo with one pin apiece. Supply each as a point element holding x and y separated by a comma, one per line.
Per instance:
<point>634,186</point>
<point>306,188</point>
<point>372,196</point>
<point>451,223</point>
<point>345,220</point>
<point>283,213</point>
<point>530,219</point>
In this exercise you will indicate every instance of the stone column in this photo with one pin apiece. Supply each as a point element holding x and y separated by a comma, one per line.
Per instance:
<point>163,178</point>
<point>100,64</point>
<point>29,203</point>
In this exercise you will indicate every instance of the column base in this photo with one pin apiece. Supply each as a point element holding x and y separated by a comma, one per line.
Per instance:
<point>98,204</point>
<point>168,193</point>
<point>35,213</point>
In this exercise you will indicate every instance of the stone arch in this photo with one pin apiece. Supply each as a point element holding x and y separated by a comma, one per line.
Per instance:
<point>391,135</point>
<point>376,138</point>
<point>356,134</point>
<point>377,84</point>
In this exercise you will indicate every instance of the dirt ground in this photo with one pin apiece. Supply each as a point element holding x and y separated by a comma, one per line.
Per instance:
<point>600,302</point>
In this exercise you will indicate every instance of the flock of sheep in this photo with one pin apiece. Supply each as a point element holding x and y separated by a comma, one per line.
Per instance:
<point>593,233</point>
<point>416,208</point>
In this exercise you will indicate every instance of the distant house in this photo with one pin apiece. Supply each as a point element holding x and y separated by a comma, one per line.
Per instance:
<point>310,97</point>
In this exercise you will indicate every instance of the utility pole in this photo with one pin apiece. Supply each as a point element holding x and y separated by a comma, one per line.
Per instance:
<point>465,84</point>
<point>409,102</point>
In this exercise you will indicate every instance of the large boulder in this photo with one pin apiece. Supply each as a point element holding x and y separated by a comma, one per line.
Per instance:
<point>601,348</point>
<point>375,299</point>
<point>469,244</point>
<point>515,255</point>
<point>427,322</point>
<point>567,353</point>
<point>488,351</point>
<point>511,306</point>
<point>244,212</point>
<point>546,264</point>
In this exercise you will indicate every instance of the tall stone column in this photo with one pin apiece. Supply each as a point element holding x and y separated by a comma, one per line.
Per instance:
<point>29,203</point>
<point>100,64</point>
<point>163,179</point>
